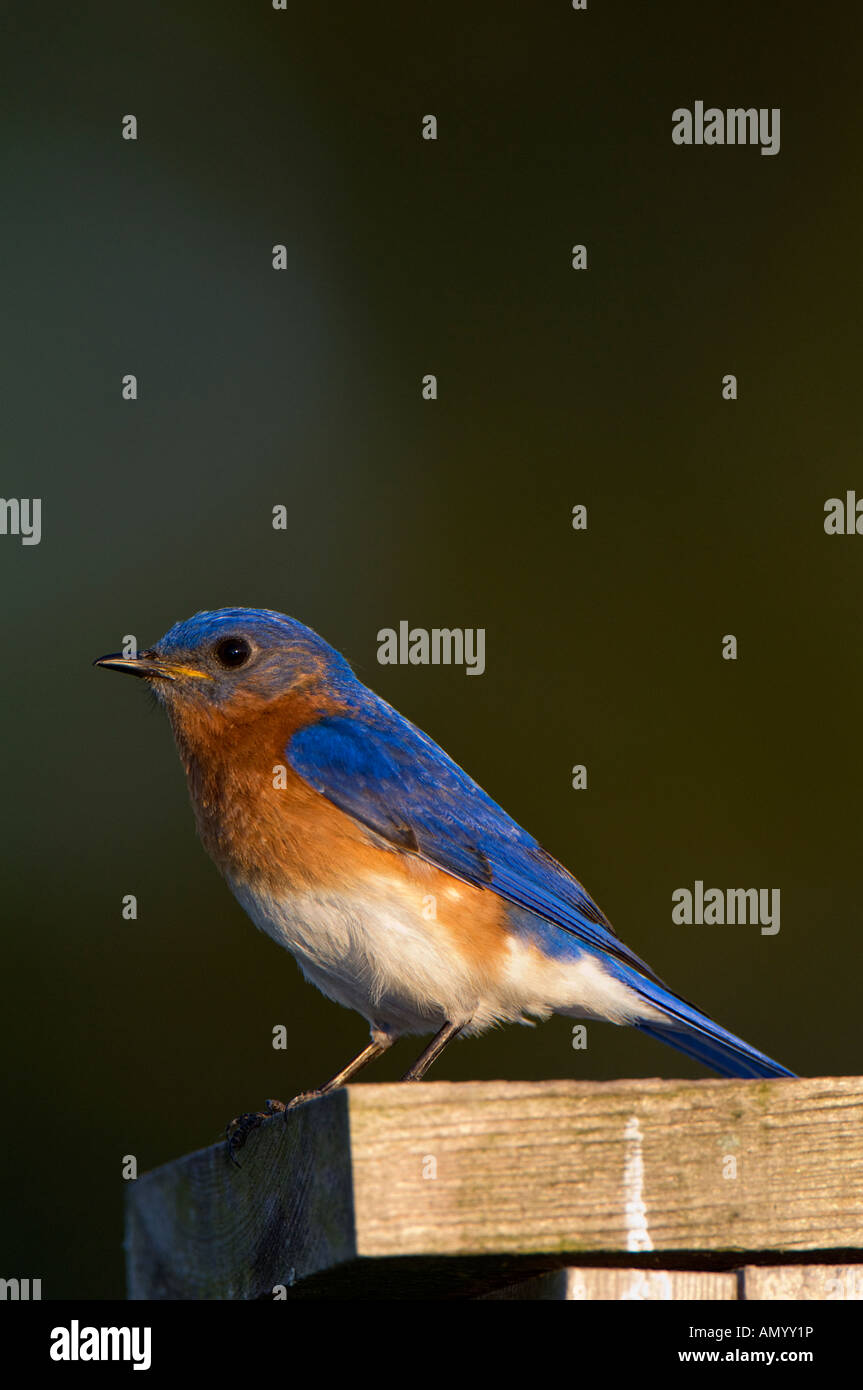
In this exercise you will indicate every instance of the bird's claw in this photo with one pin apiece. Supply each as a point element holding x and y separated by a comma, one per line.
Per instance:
<point>238,1131</point>
<point>301,1100</point>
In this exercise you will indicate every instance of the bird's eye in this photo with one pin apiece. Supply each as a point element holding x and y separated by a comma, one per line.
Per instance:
<point>232,651</point>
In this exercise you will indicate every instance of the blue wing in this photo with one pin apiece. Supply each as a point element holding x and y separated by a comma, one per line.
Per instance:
<point>386,773</point>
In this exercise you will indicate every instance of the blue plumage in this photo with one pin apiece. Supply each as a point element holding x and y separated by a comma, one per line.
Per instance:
<point>520,936</point>
<point>380,768</point>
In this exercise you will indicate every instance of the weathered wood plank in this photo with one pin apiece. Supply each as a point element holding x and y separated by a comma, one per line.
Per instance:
<point>574,1284</point>
<point>803,1282</point>
<point>440,1174</point>
<point>202,1228</point>
<point>752,1282</point>
<point>618,1166</point>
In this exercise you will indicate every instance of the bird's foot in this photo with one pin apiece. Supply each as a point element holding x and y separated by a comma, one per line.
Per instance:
<point>242,1126</point>
<point>301,1100</point>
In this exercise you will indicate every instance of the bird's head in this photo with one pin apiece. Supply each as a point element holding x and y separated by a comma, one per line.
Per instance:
<point>233,656</point>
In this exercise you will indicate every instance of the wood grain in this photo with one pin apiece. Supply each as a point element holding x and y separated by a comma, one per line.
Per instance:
<point>573,1284</point>
<point>483,1176</point>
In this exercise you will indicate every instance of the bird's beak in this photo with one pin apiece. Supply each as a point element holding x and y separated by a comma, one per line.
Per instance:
<point>150,665</point>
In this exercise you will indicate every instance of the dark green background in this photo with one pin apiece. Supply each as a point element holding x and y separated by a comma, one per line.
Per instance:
<point>303,388</point>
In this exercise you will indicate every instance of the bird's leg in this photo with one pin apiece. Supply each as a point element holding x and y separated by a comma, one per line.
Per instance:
<point>382,1039</point>
<point>433,1051</point>
<point>240,1128</point>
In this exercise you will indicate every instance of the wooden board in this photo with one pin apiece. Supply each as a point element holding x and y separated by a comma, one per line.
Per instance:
<point>457,1188</point>
<point>768,1283</point>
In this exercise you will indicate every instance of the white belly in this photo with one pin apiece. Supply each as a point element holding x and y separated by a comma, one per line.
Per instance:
<point>370,954</point>
<point>375,954</point>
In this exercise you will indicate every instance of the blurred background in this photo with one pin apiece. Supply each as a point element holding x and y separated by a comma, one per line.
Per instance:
<point>303,388</point>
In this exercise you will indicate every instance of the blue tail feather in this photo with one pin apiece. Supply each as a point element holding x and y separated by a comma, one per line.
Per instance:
<point>721,1051</point>
<point>696,1035</point>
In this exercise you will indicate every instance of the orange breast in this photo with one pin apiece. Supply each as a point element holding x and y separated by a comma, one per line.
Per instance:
<point>265,827</point>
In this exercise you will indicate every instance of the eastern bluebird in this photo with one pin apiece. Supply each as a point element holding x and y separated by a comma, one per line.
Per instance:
<point>401,888</point>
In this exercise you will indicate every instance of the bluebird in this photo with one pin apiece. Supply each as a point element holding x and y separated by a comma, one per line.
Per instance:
<point>401,888</point>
